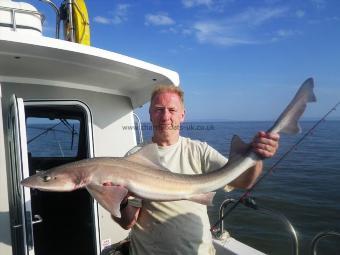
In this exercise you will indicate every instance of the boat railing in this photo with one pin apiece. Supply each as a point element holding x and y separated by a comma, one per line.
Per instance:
<point>249,202</point>
<point>318,237</point>
<point>14,12</point>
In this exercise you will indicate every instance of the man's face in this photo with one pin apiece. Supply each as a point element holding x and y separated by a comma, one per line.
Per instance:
<point>166,113</point>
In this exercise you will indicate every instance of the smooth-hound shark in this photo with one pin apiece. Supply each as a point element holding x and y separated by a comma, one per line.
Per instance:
<point>110,179</point>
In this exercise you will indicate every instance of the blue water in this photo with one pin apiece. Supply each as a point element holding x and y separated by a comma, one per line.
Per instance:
<point>305,186</point>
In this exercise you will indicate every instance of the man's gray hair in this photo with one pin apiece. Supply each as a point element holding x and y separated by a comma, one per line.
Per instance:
<point>168,88</point>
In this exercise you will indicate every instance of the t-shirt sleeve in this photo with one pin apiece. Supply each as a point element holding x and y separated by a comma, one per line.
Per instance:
<point>213,160</point>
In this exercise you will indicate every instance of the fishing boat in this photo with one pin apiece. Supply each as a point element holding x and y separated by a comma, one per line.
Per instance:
<point>75,101</point>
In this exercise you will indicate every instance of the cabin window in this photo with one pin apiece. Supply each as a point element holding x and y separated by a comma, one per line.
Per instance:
<point>57,131</point>
<point>57,137</point>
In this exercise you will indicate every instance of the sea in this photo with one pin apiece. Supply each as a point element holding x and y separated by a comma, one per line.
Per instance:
<point>304,186</point>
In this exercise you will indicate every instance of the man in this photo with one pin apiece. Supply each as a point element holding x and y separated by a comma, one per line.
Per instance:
<point>182,227</point>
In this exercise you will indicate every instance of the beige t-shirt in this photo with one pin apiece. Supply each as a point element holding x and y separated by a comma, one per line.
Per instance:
<point>179,227</point>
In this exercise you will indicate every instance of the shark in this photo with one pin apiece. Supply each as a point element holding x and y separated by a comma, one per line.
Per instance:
<point>111,180</point>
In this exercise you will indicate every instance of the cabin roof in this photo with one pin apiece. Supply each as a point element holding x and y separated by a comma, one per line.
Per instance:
<point>31,59</point>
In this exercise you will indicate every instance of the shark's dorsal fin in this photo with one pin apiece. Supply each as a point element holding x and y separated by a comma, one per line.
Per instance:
<point>237,148</point>
<point>147,156</point>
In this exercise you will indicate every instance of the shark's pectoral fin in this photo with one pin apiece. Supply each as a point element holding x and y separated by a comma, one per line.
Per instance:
<point>205,198</point>
<point>109,197</point>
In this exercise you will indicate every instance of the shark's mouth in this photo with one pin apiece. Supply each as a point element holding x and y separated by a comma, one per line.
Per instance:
<point>108,183</point>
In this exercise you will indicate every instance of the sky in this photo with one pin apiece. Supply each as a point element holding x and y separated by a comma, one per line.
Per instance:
<point>237,59</point>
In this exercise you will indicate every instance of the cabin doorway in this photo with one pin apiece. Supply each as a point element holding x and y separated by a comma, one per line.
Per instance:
<point>57,132</point>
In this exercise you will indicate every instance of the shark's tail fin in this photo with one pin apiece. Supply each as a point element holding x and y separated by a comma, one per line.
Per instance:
<point>288,120</point>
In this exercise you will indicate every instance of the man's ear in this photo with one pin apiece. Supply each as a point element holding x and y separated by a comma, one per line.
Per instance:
<point>183,116</point>
<point>150,113</point>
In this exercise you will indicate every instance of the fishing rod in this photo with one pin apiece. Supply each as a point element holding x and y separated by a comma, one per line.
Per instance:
<point>271,169</point>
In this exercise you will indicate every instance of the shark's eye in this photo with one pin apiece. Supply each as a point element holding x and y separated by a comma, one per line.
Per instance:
<point>46,178</point>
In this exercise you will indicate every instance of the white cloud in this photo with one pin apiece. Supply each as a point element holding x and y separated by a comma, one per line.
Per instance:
<point>101,20</point>
<point>161,19</point>
<point>319,4</point>
<point>187,31</point>
<point>238,29</point>
<point>212,5</point>
<point>333,18</point>
<point>118,16</point>
<point>178,29</point>
<point>215,33</point>
<point>285,32</point>
<point>300,13</point>
<point>257,16</point>
<point>193,3</point>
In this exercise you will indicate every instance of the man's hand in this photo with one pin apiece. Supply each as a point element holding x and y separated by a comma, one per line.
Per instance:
<point>265,144</point>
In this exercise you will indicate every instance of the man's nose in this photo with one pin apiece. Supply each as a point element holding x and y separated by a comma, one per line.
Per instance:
<point>165,114</point>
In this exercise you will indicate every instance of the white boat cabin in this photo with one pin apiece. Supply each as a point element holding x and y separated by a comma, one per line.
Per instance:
<point>60,102</point>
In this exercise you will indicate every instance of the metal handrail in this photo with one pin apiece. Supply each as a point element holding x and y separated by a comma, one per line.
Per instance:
<point>250,203</point>
<point>139,125</point>
<point>320,235</point>
<point>17,10</point>
<point>56,10</point>
<point>284,219</point>
<point>224,204</point>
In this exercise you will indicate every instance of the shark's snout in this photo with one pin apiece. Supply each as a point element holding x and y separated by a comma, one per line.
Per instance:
<point>27,182</point>
<point>46,181</point>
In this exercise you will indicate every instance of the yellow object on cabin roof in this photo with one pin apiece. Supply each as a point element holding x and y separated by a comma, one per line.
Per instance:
<point>81,22</point>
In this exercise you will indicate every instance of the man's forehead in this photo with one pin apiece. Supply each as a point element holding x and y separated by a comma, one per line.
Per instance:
<point>164,106</point>
<point>168,98</point>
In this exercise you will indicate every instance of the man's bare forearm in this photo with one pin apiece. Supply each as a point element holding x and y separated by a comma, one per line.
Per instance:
<point>129,216</point>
